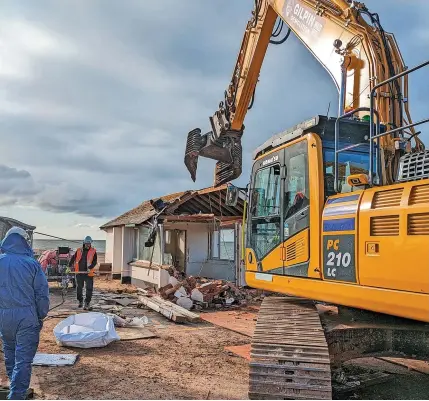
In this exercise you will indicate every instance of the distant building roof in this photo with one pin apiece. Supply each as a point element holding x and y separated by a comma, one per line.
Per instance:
<point>6,223</point>
<point>207,201</point>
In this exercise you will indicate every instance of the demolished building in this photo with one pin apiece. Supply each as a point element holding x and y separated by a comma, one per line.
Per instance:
<point>194,231</point>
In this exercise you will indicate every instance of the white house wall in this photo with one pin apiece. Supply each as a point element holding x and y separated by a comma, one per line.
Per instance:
<point>127,250</point>
<point>141,276</point>
<point>117,250</point>
<point>197,240</point>
<point>109,245</point>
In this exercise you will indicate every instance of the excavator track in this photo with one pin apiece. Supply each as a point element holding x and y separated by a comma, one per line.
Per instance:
<point>289,354</point>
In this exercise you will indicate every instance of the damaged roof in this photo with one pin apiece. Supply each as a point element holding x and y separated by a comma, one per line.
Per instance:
<point>143,212</point>
<point>205,201</point>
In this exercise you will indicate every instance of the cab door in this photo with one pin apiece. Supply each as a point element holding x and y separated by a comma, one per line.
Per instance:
<point>264,224</point>
<point>296,210</point>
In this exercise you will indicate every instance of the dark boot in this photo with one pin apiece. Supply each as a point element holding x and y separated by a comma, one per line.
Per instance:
<point>80,304</point>
<point>87,307</point>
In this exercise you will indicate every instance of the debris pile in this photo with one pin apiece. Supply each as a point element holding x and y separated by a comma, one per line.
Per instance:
<point>201,293</point>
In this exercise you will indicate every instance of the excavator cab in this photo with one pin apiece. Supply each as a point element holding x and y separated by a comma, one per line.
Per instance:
<point>292,177</point>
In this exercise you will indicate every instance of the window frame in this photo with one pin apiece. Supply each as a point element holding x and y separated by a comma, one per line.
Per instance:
<point>268,218</point>
<point>218,246</point>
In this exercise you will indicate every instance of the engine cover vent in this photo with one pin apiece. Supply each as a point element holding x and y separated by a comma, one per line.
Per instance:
<point>414,166</point>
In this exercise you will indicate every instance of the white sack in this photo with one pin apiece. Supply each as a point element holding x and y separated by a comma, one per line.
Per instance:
<point>86,330</point>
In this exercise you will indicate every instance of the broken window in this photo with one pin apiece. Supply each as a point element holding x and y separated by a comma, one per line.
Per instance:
<point>152,253</point>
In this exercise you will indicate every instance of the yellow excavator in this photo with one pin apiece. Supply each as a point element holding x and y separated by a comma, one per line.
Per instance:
<point>338,208</point>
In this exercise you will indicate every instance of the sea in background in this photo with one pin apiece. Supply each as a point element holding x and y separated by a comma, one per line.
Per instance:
<point>226,247</point>
<point>44,244</point>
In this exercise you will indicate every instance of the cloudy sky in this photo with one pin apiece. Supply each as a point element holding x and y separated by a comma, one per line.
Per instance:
<point>97,96</point>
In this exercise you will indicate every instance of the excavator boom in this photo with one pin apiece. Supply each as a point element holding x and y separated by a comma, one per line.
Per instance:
<point>350,43</point>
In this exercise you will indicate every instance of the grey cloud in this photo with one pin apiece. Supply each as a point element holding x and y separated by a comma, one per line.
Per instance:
<point>98,109</point>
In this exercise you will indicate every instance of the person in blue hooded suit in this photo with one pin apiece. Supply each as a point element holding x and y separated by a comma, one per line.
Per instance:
<point>24,303</point>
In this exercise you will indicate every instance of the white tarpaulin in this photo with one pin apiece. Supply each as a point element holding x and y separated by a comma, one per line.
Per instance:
<point>86,330</point>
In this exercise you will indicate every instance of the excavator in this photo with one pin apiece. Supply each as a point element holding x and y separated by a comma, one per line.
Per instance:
<point>337,215</point>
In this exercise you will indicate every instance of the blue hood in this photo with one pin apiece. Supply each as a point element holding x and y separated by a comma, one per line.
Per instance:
<point>16,244</point>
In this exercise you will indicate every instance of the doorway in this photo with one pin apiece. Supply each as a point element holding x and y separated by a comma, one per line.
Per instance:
<point>175,249</point>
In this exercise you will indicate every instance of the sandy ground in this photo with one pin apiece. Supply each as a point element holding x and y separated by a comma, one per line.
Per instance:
<point>183,362</point>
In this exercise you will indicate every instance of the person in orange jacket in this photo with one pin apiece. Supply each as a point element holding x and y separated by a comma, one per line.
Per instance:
<point>84,262</point>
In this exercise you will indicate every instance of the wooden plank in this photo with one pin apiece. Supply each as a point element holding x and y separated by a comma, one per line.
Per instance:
<point>192,317</point>
<point>411,364</point>
<point>164,310</point>
<point>131,333</point>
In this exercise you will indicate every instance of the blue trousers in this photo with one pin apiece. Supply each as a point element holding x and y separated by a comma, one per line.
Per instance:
<point>20,333</point>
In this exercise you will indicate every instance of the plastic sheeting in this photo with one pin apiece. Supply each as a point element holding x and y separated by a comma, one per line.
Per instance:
<point>86,330</point>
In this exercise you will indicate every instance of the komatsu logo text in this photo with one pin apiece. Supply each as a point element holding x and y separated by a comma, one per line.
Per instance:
<point>270,160</point>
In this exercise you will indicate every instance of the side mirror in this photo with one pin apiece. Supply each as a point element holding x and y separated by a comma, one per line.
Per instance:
<point>231,195</point>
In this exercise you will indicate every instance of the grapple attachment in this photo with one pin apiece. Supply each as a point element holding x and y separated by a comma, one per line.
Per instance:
<point>226,150</point>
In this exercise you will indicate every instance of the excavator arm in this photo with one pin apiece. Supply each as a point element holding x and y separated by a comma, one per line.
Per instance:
<point>350,43</point>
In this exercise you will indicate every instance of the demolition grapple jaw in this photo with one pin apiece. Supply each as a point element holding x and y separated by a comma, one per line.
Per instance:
<point>226,150</point>
<point>193,147</point>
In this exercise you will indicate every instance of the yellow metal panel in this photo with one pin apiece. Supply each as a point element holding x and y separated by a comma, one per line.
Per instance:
<point>317,191</point>
<point>251,265</point>
<point>297,248</point>
<point>398,303</point>
<point>273,260</point>
<point>402,260</point>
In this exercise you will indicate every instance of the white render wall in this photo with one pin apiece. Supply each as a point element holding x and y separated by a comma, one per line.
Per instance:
<point>109,245</point>
<point>127,250</point>
<point>117,250</point>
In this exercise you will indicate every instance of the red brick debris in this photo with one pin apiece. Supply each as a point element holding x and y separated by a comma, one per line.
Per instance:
<point>202,293</point>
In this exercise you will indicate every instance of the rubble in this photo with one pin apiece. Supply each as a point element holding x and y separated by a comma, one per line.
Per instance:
<point>201,293</point>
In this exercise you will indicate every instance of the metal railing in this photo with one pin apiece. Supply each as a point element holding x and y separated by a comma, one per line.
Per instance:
<point>373,111</point>
<point>372,126</point>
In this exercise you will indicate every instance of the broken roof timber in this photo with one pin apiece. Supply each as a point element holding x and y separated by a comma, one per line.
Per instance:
<point>208,201</point>
<point>190,217</point>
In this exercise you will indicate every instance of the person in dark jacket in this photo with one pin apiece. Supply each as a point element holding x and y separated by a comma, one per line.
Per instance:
<point>24,303</point>
<point>84,262</point>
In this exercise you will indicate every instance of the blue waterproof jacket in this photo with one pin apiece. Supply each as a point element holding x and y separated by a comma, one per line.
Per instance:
<point>23,284</point>
<point>24,302</point>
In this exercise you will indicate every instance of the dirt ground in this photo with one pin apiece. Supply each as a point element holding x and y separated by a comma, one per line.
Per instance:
<point>183,362</point>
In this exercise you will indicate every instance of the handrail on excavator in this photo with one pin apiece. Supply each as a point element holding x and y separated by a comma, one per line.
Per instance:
<point>372,111</point>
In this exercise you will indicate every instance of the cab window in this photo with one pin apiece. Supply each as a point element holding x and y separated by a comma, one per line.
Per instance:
<point>351,162</point>
<point>264,223</point>
<point>266,192</point>
<point>296,185</point>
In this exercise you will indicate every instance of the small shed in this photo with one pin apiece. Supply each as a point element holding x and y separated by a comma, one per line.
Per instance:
<point>6,223</point>
<point>195,231</point>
